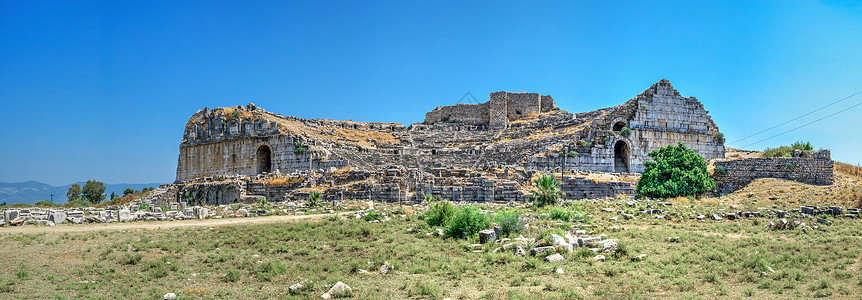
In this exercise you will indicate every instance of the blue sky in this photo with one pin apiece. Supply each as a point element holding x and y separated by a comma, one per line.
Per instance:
<point>102,90</point>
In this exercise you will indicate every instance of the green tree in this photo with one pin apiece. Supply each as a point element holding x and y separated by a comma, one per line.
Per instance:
<point>94,191</point>
<point>74,192</point>
<point>547,190</point>
<point>128,191</point>
<point>675,171</point>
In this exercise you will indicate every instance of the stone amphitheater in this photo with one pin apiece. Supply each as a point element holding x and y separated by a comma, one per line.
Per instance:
<point>466,152</point>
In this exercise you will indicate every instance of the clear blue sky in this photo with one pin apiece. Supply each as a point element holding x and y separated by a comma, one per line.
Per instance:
<point>102,90</point>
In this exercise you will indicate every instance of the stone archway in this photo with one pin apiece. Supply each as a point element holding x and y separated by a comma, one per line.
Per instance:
<point>264,159</point>
<point>619,125</point>
<point>621,157</point>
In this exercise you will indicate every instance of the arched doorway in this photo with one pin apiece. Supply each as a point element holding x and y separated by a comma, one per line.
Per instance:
<point>264,159</point>
<point>621,157</point>
<point>618,126</point>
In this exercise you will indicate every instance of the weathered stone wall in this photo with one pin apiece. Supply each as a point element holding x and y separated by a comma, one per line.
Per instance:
<point>243,157</point>
<point>498,110</point>
<point>548,103</point>
<point>502,108</point>
<point>522,104</point>
<point>471,114</point>
<point>662,117</point>
<point>810,167</point>
<point>587,188</point>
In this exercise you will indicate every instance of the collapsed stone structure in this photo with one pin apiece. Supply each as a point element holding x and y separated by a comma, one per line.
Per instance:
<point>514,131</point>
<point>520,129</point>
<point>804,166</point>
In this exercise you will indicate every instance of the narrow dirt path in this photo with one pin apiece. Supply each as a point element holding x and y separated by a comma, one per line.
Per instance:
<point>29,229</point>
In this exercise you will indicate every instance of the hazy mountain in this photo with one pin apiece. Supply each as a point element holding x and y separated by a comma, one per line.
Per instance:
<point>32,191</point>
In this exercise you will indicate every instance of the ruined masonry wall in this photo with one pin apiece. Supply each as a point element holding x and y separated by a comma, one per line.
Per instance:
<point>743,171</point>
<point>240,157</point>
<point>585,188</point>
<point>548,103</point>
<point>471,114</point>
<point>498,110</point>
<point>522,104</point>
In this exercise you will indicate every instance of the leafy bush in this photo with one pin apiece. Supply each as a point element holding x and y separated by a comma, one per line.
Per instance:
<point>720,137</point>
<point>144,206</point>
<point>373,215</point>
<point>510,222</point>
<point>439,213</point>
<point>676,171</point>
<point>547,190</point>
<point>467,220</point>
<point>573,153</point>
<point>586,144</point>
<point>720,170</point>
<point>789,166</point>
<point>787,151</point>
<point>128,191</point>
<point>626,131</point>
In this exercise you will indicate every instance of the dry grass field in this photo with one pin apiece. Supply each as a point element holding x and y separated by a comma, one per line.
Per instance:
<point>261,259</point>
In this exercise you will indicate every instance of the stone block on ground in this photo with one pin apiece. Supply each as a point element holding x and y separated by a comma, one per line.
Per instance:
<point>487,235</point>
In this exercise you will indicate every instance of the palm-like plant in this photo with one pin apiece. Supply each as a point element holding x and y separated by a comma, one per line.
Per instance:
<point>313,198</point>
<point>547,190</point>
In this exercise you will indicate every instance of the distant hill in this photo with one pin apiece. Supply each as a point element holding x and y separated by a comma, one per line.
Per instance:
<point>31,191</point>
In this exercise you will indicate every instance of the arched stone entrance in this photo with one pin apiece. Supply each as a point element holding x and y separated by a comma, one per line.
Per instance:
<point>619,125</point>
<point>264,159</point>
<point>621,157</point>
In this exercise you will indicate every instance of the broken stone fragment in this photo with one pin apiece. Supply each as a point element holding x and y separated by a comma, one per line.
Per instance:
<point>338,290</point>
<point>556,257</point>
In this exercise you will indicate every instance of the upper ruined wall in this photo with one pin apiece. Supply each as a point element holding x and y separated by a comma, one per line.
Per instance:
<point>500,109</point>
<point>470,114</point>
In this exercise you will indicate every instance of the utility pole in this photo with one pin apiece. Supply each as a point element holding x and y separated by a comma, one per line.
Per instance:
<point>52,198</point>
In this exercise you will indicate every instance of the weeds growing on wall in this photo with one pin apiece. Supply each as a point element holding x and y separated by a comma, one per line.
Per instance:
<point>787,151</point>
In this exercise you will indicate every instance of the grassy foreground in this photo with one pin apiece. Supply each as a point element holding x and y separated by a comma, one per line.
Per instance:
<point>713,258</point>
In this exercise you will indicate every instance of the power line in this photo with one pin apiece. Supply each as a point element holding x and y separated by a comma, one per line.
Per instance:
<point>794,119</point>
<point>806,124</point>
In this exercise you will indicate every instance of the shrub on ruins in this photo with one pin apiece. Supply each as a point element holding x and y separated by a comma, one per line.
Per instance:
<point>372,215</point>
<point>45,203</point>
<point>74,192</point>
<point>313,199</point>
<point>787,151</point>
<point>675,171</point>
<point>547,191</point>
<point>128,191</point>
<point>626,131</point>
<point>509,222</point>
<point>298,148</point>
<point>439,213</point>
<point>720,137</point>
<point>720,170</point>
<point>467,220</point>
<point>94,191</point>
